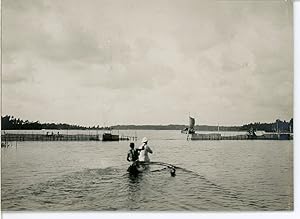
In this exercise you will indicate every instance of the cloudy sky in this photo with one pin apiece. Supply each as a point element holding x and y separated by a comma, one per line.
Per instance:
<point>147,62</point>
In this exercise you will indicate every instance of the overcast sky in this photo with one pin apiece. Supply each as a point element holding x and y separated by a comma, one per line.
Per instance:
<point>147,62</point>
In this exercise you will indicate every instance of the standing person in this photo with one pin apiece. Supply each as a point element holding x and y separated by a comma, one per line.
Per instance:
<point>145,149</point>
<point>133,154</point>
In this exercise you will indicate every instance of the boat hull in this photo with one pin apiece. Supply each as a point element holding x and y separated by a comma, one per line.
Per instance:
<point>137,167</point>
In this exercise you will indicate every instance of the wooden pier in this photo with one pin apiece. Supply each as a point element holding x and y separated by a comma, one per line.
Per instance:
<point>60,137</point>
<point>216,136</point>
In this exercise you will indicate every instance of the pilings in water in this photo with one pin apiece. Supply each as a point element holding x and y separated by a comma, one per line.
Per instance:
<point>42,137</point>
<point>9,137</point>
<point>269,136</point>
<point>59,137</point>
<point>127,138</point>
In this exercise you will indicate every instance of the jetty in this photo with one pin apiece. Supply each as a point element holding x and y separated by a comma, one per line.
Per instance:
<point>216,136</point>
<point>251,135</point>
<point>64,137</point>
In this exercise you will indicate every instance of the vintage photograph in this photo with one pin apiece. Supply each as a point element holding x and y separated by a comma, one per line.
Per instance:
<point>147,106</point>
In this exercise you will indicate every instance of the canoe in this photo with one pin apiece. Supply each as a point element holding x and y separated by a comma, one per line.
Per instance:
<point>139,167</point>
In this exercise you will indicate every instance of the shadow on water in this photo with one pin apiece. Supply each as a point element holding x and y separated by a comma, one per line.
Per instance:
<point>111,189</point>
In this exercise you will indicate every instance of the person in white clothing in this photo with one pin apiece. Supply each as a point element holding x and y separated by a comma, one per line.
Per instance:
<point>145,149</point>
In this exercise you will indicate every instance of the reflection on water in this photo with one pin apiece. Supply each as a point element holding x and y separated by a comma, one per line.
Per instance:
<point>212,176</point>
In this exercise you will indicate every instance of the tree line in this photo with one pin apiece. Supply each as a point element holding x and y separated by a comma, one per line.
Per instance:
<point>278,125</point>
<point>12,123</point>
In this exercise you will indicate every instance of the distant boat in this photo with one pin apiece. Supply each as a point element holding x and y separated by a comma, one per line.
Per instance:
<point>190,129</point>
<point>192,135</point>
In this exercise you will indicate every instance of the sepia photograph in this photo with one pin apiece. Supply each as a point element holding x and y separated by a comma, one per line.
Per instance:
<point>147,106</point>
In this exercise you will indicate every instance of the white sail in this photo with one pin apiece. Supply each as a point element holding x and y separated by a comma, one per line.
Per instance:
<point>192,123</point>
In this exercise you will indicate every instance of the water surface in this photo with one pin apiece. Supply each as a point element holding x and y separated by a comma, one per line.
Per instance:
<point>213,175</point>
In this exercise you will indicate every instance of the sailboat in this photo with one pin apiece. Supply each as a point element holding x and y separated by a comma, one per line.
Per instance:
<point>190,129</point>
<point>192,135</point>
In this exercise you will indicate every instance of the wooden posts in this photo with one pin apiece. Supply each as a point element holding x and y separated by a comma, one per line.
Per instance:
<point>59,137</point>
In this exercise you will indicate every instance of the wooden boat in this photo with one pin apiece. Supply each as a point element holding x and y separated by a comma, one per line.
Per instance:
<point>139,166</point>
<point>190,129</point>
<point>192,135</point>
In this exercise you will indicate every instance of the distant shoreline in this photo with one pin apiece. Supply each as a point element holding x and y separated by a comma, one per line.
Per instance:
<point>12,123</point>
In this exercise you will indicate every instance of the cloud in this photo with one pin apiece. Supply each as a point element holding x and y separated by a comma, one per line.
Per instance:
<point>47,34</point>
<point>16,70</point>
<point>148,61</point>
